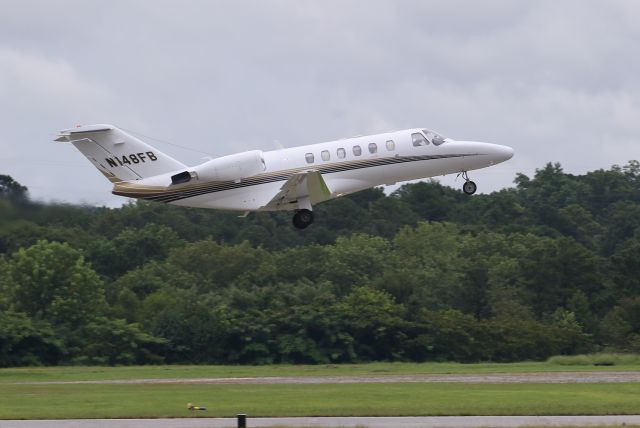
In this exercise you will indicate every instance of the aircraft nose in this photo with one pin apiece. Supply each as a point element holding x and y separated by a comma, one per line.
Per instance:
<point>503,153</point>
<point>497,153</point>
<point>491,154</point>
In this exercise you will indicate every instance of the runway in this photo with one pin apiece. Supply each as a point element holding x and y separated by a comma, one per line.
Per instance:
<point>501,378</point>
<point>342,422</point>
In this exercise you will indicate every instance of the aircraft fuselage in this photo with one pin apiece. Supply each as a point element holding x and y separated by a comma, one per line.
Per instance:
<point>343,169</point>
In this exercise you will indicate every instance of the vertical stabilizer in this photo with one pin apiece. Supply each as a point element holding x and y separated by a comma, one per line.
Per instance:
<point>118,155</point>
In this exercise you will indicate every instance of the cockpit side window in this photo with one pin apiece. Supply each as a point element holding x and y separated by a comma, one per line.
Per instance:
<point>435,138</point>
<point>419,139</point>
<point>309,157</point>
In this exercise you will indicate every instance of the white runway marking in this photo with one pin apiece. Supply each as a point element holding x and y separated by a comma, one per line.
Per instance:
<point>342,422</point>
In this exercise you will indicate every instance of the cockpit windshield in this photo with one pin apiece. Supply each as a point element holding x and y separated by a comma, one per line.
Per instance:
<point>434,137</point>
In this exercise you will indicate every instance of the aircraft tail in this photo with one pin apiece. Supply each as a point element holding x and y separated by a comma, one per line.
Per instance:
<point>118,155</point>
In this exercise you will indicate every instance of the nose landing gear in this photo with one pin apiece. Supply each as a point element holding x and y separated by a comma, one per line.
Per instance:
<point>469,187</point>
<point>302,218</point>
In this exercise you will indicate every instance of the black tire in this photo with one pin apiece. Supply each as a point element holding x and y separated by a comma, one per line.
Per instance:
<point>302,219</point>
<point>469,187</point>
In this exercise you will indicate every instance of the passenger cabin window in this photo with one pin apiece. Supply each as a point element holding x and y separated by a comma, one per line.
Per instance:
<point>357,150</point>
<point>325,155</point>
<point>341,153</point>
<point>373,148</point>
<point>391,146</point>
<point>309,157</point>
<point>419,140</point>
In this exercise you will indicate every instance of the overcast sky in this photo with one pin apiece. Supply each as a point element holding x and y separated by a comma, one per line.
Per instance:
<point>556,80</point>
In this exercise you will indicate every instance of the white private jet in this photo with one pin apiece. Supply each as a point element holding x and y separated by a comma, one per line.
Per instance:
<point>293,179</point>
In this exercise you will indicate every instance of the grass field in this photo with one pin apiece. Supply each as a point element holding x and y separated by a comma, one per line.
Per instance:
<point>372,369</point>
<point>123,401</point>
<point>40,401</point>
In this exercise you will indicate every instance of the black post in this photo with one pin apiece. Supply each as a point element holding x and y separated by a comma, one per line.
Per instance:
<point>242,421</point>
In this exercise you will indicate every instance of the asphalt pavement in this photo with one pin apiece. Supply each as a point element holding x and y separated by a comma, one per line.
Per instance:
<point>534,377</point>
<point>342,422</point>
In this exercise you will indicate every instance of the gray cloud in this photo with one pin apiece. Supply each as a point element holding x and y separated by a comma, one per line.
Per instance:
<point>557,80</point>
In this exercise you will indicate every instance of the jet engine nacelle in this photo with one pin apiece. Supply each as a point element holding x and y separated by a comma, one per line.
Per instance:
<point>226,168</point>
<point>232,167</point>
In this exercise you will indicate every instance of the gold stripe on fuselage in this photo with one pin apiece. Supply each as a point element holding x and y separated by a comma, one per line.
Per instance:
<point>187,190</point>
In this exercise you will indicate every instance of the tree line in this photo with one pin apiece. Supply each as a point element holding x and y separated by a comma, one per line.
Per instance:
<point>426,273</point>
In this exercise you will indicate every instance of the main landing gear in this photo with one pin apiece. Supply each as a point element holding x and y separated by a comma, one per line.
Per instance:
<point>302,218</point>
<point>469,187</point>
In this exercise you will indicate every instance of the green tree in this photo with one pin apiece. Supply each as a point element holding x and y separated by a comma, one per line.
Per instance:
<point>577,222</point>
<point>432,251</point>
<point>108,341</point>
<point>620,328</point>
<point>218,265</point>
<point>375,322</point>
<point>51,281</point>
<point>625,264</point>
<point>446,335</point>
<point>132,248</point>
<point>355,260</point>
<point>11,189</point>
<point>430,200</point>
<point>553,269</point>
<point>24,342</point>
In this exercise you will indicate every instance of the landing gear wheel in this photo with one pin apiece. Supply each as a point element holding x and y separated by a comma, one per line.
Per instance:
<point>469,187</point>
<point>302,218</point>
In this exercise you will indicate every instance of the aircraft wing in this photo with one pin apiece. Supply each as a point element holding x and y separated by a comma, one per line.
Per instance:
<point>307,184</point>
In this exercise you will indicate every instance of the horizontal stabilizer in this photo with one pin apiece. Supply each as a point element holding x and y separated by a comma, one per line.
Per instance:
<point>68,135</point>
